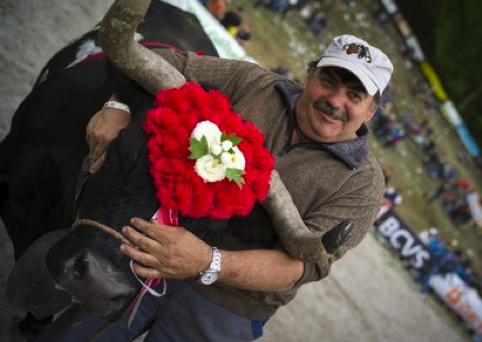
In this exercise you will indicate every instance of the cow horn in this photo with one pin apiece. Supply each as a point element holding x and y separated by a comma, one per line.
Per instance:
<point>116,37</point>
<point>299,241</point>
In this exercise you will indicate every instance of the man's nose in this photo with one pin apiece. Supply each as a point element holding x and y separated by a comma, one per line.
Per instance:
<point>337,97</point>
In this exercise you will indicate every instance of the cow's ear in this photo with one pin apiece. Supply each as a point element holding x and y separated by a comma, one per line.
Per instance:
<point>30,272</point>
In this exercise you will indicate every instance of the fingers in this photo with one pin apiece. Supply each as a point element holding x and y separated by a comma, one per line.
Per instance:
<point>143,225</point>
<point>142,241</point>
<point>139,256</point>
<point>92,129</point>
<point>96,164</point>
<point>145,264</point>
<point>147,272</point>
<point>98,150</point>
<point>102,128</point>
<point>172,251</point>
<point>142,252</point>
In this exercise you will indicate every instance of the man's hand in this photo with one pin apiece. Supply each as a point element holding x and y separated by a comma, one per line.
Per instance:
<point>174,252</point>
<point>102,128</point>
<point>165,251</point>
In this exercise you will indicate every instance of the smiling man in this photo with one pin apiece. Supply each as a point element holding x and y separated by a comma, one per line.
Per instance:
<point>341,91</point>
<point>319,138</point>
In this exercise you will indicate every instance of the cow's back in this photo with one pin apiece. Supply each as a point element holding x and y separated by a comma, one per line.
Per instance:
<point>164,26</point>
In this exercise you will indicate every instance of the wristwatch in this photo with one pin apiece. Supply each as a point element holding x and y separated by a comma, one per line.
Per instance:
<point>117,105</point>
<point>211,273</point>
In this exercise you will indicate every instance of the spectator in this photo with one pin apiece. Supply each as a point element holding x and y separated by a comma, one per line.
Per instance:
<point>279,6</point>
<point>244,33</point>
<point>306,11</point>
<point>442,261</point>
<point>317,22</point>
<point>387,173</point>
<point>427,235</point>
<point>393,196</point>
<point>217,8</point>
<point>231,19</point>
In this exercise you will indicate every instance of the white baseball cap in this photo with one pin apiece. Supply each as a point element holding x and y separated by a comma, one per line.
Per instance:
<point>368,63</point>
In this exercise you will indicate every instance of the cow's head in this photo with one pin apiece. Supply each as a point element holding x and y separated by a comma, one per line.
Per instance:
<point>87,262</point>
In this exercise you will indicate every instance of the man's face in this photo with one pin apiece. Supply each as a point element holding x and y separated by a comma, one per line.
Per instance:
<point>331,111</point>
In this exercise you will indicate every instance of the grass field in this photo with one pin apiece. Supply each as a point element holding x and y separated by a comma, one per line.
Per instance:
<point>286,42</point>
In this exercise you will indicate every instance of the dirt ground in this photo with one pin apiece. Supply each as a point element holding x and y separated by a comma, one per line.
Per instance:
<point>367,298</point>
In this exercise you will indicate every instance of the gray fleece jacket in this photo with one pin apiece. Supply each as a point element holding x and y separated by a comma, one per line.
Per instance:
<point>328,182</point>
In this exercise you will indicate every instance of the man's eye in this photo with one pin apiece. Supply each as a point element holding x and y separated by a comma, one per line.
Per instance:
<point>327,82</point>
<point>354,96</point>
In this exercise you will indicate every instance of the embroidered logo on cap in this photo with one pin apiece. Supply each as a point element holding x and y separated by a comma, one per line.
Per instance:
<point>361,50</point>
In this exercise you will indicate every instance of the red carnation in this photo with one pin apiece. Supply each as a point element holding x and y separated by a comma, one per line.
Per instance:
<point>178,185</point>
<point>219,102</point>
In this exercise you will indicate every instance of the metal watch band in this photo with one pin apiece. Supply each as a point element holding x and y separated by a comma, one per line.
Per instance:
<point>216,260</point>
<point>117,105</point>
<point>215,265</point>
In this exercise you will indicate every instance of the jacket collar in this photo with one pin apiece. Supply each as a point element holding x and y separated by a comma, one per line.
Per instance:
<point>350,152</point>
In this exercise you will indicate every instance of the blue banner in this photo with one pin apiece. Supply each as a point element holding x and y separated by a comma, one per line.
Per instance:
<point>468,141</point>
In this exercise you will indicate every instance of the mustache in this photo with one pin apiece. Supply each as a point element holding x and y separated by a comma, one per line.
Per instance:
<point>335,113</point>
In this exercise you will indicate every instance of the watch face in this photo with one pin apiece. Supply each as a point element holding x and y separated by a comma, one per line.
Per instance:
<point>209,277</point>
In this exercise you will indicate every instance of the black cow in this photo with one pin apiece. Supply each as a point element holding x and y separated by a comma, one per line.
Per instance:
<point>44,187</point>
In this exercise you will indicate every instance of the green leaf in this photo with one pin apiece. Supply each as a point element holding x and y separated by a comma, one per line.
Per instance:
<point>198,148</point>
<point>235,175</point>
<point>231,137</point>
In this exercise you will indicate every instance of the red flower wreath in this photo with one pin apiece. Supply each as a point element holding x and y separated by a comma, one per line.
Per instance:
<point>178,186</point>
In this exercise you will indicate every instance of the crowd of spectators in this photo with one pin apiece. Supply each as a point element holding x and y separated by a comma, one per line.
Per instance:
<point>453,199</point>
<point>447,258</point>
<point>232,20</point>
<point>309,11</point>
<point>281,7</point>
<point>450,189</point>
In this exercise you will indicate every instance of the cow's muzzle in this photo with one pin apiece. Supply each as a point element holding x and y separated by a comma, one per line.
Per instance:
<point>99,279</point>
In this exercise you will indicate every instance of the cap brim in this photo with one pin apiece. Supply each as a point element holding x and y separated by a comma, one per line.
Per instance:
<point>367,82</point>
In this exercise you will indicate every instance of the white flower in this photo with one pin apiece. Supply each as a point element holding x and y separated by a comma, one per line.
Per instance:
<point>227,144</point>
<point>234,161</point>
<point>209,130</point>
<point>210,169</point>
<point>216,149</point>
<point>217,160</point>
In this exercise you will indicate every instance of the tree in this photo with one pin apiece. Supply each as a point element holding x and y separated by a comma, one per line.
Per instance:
<point>450,34</point>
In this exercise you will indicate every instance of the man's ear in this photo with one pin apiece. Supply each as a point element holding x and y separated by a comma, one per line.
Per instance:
<point>312,73</point>
<point>307,78</point>
<point>371,109</point>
